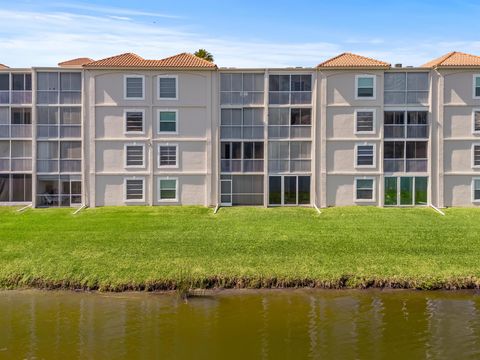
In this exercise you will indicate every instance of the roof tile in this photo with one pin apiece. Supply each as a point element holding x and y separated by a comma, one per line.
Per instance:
<point>349,60</point>
<point>75,62</point>
<point>130,60</point>
<point>3,66</point>
<point>454,59</point>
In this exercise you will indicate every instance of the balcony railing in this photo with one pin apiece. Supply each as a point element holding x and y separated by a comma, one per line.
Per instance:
<point>15,131</point>
<point>284,165</point>
<point>70,166</point>
<point>4,164</point>
<point>241,132</point>
<point>24,164</point>
<point>4,97</point>
<point>21,97</point>
<point>47,166</point>
<point>287,131</point>
<point>413,131</point>
<point>238,165</point>
<point>405,165</point>
<point>52,131</point>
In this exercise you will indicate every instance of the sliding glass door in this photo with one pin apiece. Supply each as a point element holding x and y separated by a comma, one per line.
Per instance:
<point>406,191</point>
<point>289,190</point>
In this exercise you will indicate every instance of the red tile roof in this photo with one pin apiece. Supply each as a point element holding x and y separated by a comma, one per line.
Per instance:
<point>3,66</point>
<point>454,59</point>
<point>129,60</point>
<point>349,60</point>
<point>75,62</point>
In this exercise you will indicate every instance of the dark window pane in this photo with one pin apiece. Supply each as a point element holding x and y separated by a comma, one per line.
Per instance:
<point>406,191</point>
<point>259,150</point>
<point>390,191</point>
<point>365,92</point>
<point>4,188</point>
<point>274,82</point>
<point>290,190</point>
<point>421,190</point>
<point>275,190</point>
<point>248,150</point>
<point>295,117</point>
<point>4,82</point>
<point>236,150</point>
<point>225,150</point>
<point>304,190</point>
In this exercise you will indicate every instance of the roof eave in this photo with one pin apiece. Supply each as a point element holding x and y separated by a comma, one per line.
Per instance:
<point>86,67</point>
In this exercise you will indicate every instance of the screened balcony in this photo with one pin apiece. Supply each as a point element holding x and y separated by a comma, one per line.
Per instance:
<point>406,125</point>
<point>241,157</point>
<point>405,156</point>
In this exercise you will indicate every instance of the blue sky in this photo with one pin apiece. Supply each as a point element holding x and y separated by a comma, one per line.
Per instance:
<point>238,33</point>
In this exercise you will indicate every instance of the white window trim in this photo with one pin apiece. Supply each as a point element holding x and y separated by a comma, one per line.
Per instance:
<point>176,122</point>
<point>374,189</point>
<point>176,189</point>
<point>125,111</point>
<point>125,77</point>
<point>374,77</point>
<point>125,189</point>
<point>374,156</point>
<point>475,76</point>
<point>473,190</point>
<point>475,132</point>
<point>125,156</point>
<point>374,111</point>
<point>473,156</point>
<point>176,157</point>
<point>176,86</point>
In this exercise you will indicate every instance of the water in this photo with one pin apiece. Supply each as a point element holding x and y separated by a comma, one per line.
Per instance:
<point>274,324</point>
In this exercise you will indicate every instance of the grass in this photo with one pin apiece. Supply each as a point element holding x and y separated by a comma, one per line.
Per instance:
<point>145,248</point>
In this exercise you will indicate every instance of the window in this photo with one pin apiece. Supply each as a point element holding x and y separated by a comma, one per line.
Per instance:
<point>476,189</point>
<point>364,189</point>
<point>289,156</point>
<point>70,88</point>
<point>134,155</point>
<point>4,88</point>
<point>59,88</point>
<point>405,156</point>
<point>365,155</point>
<point>365,87</point>
<point>167,189</point>
<point>241,89</point>
<point>134,87</point>
<point>476,121</point>
<point>245,123</point>
<point>15,187</point>
<point>476,86</point>
<point>476,155</point>
<point>406,124</point>
<point>364,121</point>
<point>167,155</point>
<point>284,123</point>
<point>134,121</point>
<point>406,88</point>
<point>241,157</point>
<point>134,189</point>
<point>167,87</point>
<point>290,89</point>
<point>167,121</point>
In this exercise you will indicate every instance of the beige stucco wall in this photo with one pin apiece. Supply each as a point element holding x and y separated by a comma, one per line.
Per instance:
<point>341,191</point>
<point>106,107</point>
<point>458,191</point>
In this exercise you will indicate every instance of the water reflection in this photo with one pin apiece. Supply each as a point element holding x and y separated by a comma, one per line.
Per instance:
<point>292,324</point>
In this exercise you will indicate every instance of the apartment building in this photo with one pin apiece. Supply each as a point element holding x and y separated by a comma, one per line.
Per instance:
<point>351,131</point>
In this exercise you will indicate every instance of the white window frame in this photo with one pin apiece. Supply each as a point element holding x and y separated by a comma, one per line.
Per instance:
<point>176,122</point>
<point>176,86</point>
<point>475,132</point>
<point>176,156</point>
<point>125,189</point>
<point>125,156</point>
<point>374,189</point>
<point>125,77</point>
<point>374,128</point>
<point>159,192</point>
<point>473,190</point>
<point>473,156</point>
<point>374,77</point>
<point>474,80</point>
<point>125,122</point>
<point>374,165</point>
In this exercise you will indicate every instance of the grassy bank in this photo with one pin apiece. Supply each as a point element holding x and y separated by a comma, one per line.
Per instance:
<point>142,248</point>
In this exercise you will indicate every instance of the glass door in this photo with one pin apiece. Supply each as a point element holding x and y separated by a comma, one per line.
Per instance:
<point>290,190</point>
<point>391,190</point>
<point>275,190</point>
<point>226,191</point>
<point>406,191</point>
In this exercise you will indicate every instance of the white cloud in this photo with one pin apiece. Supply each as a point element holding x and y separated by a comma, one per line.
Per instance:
<point>48,37</point>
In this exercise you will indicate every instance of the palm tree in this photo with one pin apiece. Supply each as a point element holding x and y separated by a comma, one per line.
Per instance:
<point>204,54</point>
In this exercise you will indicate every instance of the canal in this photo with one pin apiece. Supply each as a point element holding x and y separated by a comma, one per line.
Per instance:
<point>241,324</point>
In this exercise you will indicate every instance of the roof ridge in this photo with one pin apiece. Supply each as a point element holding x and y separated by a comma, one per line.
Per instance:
<point>117,56</point>
<point>377,62</point>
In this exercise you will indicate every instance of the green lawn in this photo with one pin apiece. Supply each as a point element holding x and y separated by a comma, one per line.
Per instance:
<point>163,247</point>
